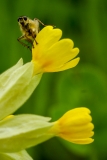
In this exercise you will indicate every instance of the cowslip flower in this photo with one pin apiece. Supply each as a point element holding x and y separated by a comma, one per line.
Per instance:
<point>16,86</point>
<point>49,54</point>
<point>75,126</point>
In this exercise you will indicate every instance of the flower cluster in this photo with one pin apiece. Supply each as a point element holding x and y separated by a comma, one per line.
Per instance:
<point>49,54</point>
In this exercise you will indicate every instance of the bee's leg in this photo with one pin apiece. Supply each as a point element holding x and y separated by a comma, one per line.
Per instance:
<point>40,22</point>
<point>35,41</point>
<point>25,45</point>
<point>30,41</point>
<point>34,37</point>
<point>43,23</point>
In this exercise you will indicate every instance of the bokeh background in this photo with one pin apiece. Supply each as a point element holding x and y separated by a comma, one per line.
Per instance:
<point>84,21</point>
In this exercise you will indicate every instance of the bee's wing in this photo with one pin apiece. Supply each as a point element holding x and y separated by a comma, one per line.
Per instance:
<point>37,25</point>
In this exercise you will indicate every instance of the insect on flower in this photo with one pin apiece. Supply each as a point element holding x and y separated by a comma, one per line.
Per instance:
<point>29,29</point>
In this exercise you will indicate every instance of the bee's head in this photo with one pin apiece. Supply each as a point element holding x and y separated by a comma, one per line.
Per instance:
<point>22,20</point>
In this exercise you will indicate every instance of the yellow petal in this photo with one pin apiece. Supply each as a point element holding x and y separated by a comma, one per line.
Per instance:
<point>58,55</point>
<point>82,141</point>
<point>60,49</point>
<point>45,39</point>
<point>81,128</point>
<point>76,116</point>
<point>48,35</point>
<point>68,57</point>
<point>79,120</point>
<point>79,135</point>
<point>69,65</point>
<point>78,111</point>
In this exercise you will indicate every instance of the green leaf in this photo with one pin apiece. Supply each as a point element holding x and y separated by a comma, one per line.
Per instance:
<point>22,155</point>
<point>17,89</point>
<point>23,131</point>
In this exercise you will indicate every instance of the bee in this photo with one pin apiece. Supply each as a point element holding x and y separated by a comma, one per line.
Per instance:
<point>29,29</point>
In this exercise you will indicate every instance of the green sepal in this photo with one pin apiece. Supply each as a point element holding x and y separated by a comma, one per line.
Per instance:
<point>23,131</point>
<point>22,155</point>
<point>17,88</point>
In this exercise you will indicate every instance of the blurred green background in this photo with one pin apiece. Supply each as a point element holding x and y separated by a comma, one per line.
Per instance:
<point>84,21</point>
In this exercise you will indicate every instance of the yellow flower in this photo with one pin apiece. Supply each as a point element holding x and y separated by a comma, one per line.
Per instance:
<point>75,126</point>
<point>49,54</point>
